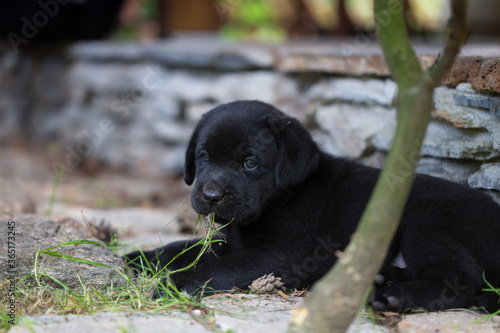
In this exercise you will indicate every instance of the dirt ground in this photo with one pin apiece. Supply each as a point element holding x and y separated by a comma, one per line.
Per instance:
<point>139,206</point>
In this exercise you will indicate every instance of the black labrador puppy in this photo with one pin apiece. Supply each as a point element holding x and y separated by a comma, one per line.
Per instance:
<point>291,207</point>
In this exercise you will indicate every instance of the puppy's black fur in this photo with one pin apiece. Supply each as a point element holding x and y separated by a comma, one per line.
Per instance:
<point>292,206</point>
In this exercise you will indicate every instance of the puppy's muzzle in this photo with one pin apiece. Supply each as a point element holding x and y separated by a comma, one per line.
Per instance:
<point>212,194</point>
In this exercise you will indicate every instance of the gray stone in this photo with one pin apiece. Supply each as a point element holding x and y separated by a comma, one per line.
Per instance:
<point>465,88</point>
<point>171,161</point>
<point>488,102</point>
<point>161,107</point>
<point>488,177</point>
<point>249,314</point>
<point>172,132</point>
<point>195,87</point>
<point>444,141</point>
<point>194,111</point>
<point>103,78</point>
<point>369,91</point>
<point>467,116</point>
<point>110,323</point>
<point>34,233</point>
<point>16,93</point>
<point>457,171</point>
<point>140,125</point>
<point>187,51</point>
<point>458,115</point>
<point>464,321</point>
<point>207,52</point>
<point>153,93</point>
<point>351,126</point>
<point>232,313</point>
<point>100,51</point>
<point>325,142</point>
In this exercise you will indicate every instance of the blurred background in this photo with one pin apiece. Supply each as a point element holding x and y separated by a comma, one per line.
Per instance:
<point>98,97</point>
<point>268,21</point>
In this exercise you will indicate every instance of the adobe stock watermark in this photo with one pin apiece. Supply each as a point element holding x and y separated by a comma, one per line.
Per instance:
<point>122,107</point>
<point>324,254</point>
<point>261,141</point>
<point>31,25</point>
<point>450,293</point>
<point>11,272</point>
<point>405,168</point>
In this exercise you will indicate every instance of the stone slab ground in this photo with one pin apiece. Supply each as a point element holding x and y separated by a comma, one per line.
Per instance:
<point>27,181</point>
<point>249,314</point>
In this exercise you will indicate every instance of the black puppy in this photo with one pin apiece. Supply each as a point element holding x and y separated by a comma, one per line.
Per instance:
<point>292,207</point>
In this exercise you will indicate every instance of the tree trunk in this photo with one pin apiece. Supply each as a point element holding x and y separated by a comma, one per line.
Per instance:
<point>335,299</point>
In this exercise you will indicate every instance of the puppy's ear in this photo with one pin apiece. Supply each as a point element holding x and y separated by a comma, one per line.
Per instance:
<point>189,163</point>
<point>297,154</point>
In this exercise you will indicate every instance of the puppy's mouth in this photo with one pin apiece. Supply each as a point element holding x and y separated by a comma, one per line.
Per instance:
<point>226,209</point>
<point>220,217</point>
<point>223,219</point>
<point>213,213</point>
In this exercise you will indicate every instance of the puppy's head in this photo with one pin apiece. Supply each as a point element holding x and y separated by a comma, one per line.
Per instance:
<point>244,155</point>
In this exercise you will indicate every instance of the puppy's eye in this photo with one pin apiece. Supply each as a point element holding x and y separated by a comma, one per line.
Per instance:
<point>204,157</point>
<point>250,164</point>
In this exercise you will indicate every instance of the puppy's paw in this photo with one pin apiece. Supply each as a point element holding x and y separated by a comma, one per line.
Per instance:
<point>160,291</point>
<point>171,286</point>
<point>164,289</point>
<point>394,298</point>
<point>137,261</point>
<point>380,280</point>
<point>391,276</point>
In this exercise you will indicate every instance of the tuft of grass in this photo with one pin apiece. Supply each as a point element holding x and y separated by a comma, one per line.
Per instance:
<point>206,225</point>
<point>36,296</point>
<point>492,289</point>
<point>4,319</point>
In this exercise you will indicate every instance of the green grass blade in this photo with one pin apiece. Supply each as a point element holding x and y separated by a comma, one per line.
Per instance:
<point>75,242</point>
<point>53,195</point>
<point>101,296</point>
<point>43,274</point>
<point>84,261</point>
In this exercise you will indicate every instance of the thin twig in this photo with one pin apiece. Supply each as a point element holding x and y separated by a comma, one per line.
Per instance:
<point>457,33</point>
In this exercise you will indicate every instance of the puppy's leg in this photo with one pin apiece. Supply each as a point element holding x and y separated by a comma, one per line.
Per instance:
<point>391,275</point>
<point>441,286</point>
<point>440,274</point>
<point>237,269</point>
<point>155,260</point>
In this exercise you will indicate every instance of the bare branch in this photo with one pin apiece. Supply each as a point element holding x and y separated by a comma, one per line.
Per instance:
<point>336,298</point>
<point>393,38</point>
<point>457,32</point>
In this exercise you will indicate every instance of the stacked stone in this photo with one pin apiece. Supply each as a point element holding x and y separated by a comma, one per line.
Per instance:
<point>133,106</point>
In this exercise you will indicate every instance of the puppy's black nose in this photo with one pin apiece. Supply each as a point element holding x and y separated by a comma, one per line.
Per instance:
<point>212,194</point>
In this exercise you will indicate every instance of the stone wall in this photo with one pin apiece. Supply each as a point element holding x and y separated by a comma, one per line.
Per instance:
<point>133,106</point>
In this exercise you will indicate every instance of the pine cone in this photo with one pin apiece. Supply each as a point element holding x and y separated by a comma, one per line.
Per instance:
<point>267,284</point>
